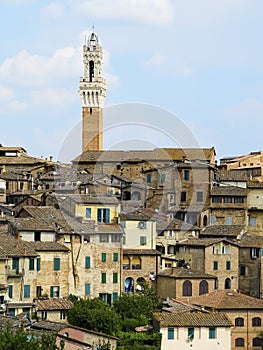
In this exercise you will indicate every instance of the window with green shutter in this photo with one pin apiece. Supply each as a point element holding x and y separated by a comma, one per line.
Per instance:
<point>56,264</point>
<point>87,262</point>
<point>215,265</point>
<point>10,291</point>
<point>170,333</point>
<point>228,265</point>
<point>103,257</point>
<point>123,224</point>
<point>38,264</point>
<point>115,277</point>
<point>212,333</point>
<point>26,291</point>
<point>143,240</point>
<point>87,289</point>
<point>114,296</point>
<point>31,264</point>
<point>115,257</point>
<point>54,291</point>
<point>103,277</point>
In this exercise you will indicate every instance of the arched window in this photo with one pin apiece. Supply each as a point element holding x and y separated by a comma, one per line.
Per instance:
<point>239,322</point>
<point>205,220</point>
<point>139,284</point>
<point>257,342</point>
<point>227,283</point>
<point>187,288</point>
<point>256,322</point>
<point>203,287</point>
<point>129,285</point>
<point>239,342</point>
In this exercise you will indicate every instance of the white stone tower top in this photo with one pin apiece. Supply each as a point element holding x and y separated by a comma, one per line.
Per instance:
<point>92,88</point>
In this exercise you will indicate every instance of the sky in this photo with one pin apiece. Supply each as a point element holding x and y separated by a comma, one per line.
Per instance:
<point>199,62</point>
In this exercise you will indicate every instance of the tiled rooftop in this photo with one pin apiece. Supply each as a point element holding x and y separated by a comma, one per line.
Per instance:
<point>227,299</point>
<point>182,272</point>
<point>54,304</point>
<point>192,319</point>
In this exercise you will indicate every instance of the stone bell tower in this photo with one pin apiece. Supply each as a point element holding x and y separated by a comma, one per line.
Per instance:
<point>92,90</point>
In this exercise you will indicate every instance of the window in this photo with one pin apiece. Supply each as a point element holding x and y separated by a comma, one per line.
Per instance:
<point>123,224</point>
<point>256,342</point>
<point>87,262</point>
<point>203,287</point>
<point>115,238</point>
<point>39,291</point>
<point>38,264</point>
<point>239,322</point>
<point>10,291</point>
<point>191,333</point>
<point>31,264</point>
<point>170,334</point>
<point>37,236</point>
<point>239,342</point>
<point>115,257</point>
<point>114,296</point>
<point>15,265</point>
<point>256,322</point>
<point>215,265</point>
<point>254,253</point>
<point>87,289</point>
<point>228,220</point>
<point>56,264</point>
<point>216,199</point>
<point>212,220</point>
<point>103,215</point>
<point>227,283</point>
<point>88,213</point>
<point>254,222</point>
<point>104,237</point>
<point>239,200</point>
<point>216,284</point>
<point>54,292</point>
<point>183,196</point>
<point>115,277</point>
<point>142,225</point>
<point>163,178</point>
<point>103,277</point>
<point>187,288</point>
<point>26,291</point>
<point>227,199</point>
<point>44,315</point>
<point>242,270</point>
<point>143,240</point>
<point>186,175</point>
<point>212,332</point>
<point>228,265</point>
<point>103,257</point>
<point>199,196</point>
<point>11,311</point>
<point>62,315</point>
<point>148,178</point>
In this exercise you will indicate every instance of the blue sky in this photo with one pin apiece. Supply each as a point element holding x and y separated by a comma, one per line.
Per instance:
<point>200,60</point>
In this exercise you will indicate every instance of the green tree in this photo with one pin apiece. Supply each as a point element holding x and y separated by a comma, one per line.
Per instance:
<point>26,340</point>
<point>96,315</point>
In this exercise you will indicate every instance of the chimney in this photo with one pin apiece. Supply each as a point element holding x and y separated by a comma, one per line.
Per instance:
<point>24,251</point>
<point>51,158</point>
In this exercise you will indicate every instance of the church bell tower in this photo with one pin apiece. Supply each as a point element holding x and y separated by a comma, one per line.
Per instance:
<point>92,90</point>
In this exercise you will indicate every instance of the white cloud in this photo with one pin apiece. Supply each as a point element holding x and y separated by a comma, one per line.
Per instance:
<point>57,98</point>
<point>158,59</point>
<point>189,13</point>
<point>29,70</point>
<point>6,93</point>
<point>146,11</point>
<point>54,10</point>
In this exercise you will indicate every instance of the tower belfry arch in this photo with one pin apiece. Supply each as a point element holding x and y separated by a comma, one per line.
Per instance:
<point>92,90</point>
